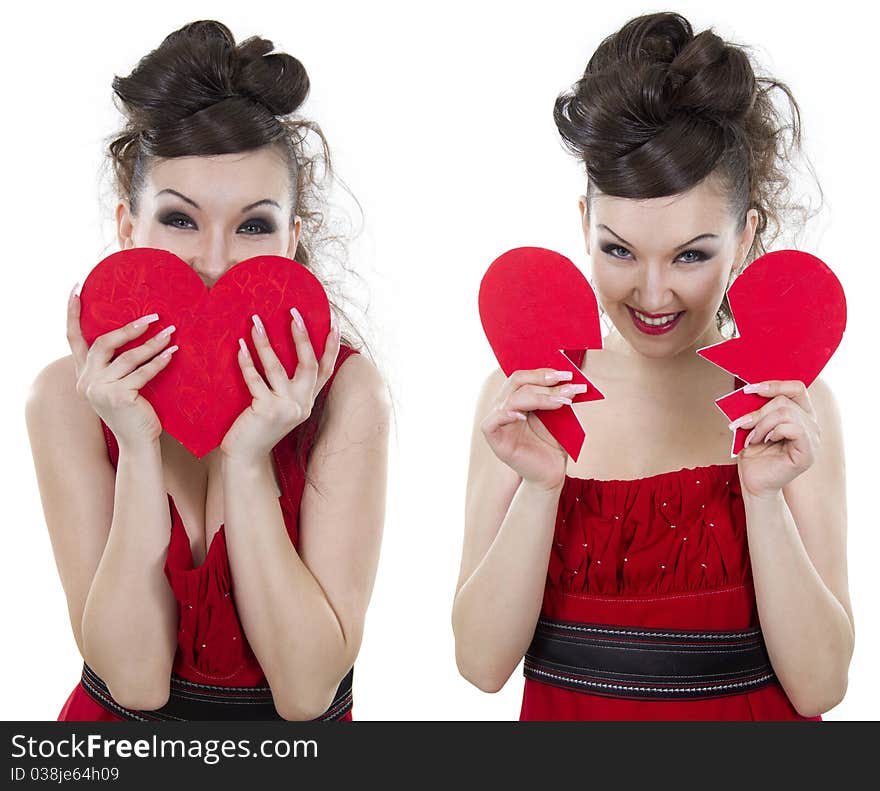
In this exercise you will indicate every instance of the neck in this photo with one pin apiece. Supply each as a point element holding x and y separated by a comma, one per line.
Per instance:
<point>674,366</point>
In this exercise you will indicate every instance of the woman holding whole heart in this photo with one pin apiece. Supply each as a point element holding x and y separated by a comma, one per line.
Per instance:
<point>216,503</point>
<point>612,540</point>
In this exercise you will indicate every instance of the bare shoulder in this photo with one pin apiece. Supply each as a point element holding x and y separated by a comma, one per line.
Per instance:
<point>357,379</point>
<point>827,410</point>
<point>52,398</point>
<point>358,402</point>
<point>56,380</point>
<point>492,384</point>
<point>58,418</point>
<point>823,398</point>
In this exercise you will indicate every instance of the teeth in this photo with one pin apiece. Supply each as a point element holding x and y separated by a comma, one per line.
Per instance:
<point>655,322</point>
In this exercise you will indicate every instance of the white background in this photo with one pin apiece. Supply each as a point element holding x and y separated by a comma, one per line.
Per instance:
<point>441,123</point>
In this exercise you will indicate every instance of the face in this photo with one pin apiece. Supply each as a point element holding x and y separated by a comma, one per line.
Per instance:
<point>661,266</point>
<point>214,211</point>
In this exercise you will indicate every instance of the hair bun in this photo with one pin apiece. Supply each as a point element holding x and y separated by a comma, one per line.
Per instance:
<point>198,67</point>
<point>712,78</point>
<point>277,80</point>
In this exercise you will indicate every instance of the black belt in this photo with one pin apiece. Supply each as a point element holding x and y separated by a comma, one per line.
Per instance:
<point>191,701</point>
<point>662,664</point>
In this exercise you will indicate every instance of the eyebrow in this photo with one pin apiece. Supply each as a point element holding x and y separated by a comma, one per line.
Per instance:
<point>196,205</point>
<point>685,244</point>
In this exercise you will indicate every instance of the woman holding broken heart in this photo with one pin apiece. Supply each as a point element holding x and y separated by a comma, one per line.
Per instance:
<point>235,585</point>
<point>652,577</point>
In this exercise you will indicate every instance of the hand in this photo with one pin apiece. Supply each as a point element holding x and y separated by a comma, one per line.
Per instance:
<point>112,389</point>
<point>784,440</point>
<point>518,437</point>
<point>281,405</point>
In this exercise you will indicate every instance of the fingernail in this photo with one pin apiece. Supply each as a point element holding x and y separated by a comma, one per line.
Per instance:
<point>169,351</point>
<point>144,320</point>
<point>560,399</point>
<point>74,292</point>
<point>334,325</point>
<point>241,345</point>
<point>750,389</point>
<point>258,324</point>
<point>570,390</point>
<point>517,415</point>
<point>168,330</point>
<point>558,376</point>
<point>297,318</point>
<point>740,422</point>
<point>749,438</point>
<point>761,387</point>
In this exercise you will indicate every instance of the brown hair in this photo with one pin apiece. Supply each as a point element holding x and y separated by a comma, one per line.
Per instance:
<point>659,109</point>
<point>200,93</point>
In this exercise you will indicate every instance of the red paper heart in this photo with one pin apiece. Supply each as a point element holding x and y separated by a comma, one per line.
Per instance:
<point>201,391</point>
<point>790,313</point>
<point>538,309</point>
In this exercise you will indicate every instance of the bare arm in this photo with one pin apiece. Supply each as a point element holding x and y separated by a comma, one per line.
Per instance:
<point>509,526</point>
<point>797,543</point>
<point>109,534</point>
<point>303,612</point>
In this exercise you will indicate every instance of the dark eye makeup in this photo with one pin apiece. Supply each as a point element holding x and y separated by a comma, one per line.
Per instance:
<point>700,255</point>
<point>176,219</point>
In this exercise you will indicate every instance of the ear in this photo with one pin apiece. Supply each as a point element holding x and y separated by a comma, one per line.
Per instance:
<point>585,219</point>
<point>294,237</point>
<point>747,237</point>
<point>124,226</point>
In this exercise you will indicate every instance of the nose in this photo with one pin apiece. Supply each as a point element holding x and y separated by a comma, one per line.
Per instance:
<point>212,259</point>
<point>654,291</point>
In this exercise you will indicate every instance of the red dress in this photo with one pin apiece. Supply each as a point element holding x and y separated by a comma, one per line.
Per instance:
<point>212,647</point>
<point>666,552</point>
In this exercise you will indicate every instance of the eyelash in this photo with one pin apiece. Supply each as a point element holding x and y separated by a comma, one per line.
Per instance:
<point>170,219</point>
<point>702,256</point>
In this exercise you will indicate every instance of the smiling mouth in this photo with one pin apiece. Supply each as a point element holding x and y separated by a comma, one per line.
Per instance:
<point>655,319</point>
<point>661,324</point>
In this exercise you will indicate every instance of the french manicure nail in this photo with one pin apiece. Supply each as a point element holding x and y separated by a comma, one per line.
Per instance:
<point>750,389</point>
<point>169,351</point>
<point>74,292</point>
<point>168,330</point>
<point>561,399</point>
<point>570,390</point>
<point>517,415</point>
<point>749,438</point>
<point>144,320</point>
<point>297,318</point>
<point>258,324</point>
<point>558,376</point>
<point>242,345</point>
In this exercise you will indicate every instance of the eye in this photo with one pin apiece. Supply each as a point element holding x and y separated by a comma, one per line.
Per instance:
<point>609,247</point>
<point>260,226</point>
<point>700,256</point>
<point>173,218</point>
